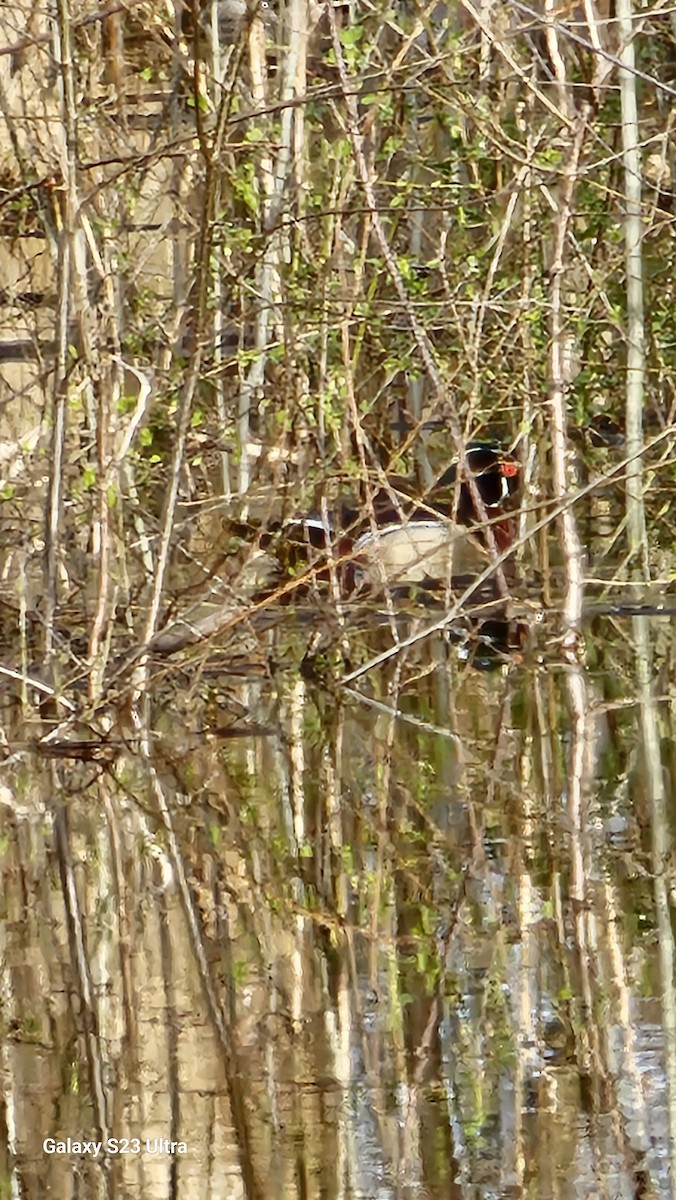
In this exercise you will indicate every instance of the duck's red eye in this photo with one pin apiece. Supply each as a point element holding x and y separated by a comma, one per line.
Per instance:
<point>509,469</point>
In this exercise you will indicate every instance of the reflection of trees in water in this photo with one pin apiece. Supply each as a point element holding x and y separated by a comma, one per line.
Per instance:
<point>315,937</point>
<point>334,878</point>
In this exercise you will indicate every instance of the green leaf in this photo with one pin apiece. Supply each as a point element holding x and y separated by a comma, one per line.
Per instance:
<point>351,37</point>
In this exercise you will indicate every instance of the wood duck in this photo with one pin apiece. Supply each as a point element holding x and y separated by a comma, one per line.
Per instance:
<point>403,538</point>
<point>428,540</point>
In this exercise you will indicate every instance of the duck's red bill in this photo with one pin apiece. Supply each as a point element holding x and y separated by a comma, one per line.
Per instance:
<point>509,470</point>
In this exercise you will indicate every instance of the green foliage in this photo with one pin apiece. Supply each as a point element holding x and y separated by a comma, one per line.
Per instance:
<point>245,186</point>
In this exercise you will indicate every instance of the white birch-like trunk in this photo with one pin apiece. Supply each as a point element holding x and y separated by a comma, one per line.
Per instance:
<point>633,234</point>
<point>661,847</point>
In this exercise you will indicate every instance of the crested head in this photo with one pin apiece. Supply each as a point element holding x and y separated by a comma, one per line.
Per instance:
<point>495,471</point>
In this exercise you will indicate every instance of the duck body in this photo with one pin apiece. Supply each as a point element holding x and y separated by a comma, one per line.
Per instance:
<point>418,553</point>
<point>440,537</point>
<point>403,538</point>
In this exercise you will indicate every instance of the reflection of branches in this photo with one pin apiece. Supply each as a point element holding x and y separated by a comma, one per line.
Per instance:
<point>220,1017</point>
<point>80,959</point>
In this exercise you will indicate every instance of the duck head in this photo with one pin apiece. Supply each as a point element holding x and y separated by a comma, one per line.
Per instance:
<point>495,472</point>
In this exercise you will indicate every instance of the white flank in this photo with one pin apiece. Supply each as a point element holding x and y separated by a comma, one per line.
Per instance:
<point>417,552</point>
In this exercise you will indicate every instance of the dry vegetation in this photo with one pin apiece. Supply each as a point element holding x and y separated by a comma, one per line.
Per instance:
<point>239,277</point>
